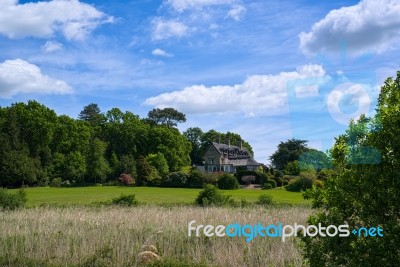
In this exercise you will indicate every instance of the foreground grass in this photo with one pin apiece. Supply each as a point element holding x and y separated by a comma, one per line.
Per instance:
<point>155,195</point>
<point>113,236</point>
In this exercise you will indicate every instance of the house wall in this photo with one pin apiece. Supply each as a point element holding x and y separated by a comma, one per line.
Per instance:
<point>212,159</point>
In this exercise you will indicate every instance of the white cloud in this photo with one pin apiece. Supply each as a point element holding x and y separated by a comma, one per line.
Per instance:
<point>237,12</point>
<point>42,19</point>
<point>368,26</point>
<point>257,94</point>
<point>21,77</point>
<point>161,53</point>
<point>182,5</point>
<point>164,29</point>
<point>51,46</point>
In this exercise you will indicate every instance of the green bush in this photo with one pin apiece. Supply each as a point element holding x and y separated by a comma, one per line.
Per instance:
<point>211,178</point>
<point>10,201</point>
<point>264,177</point>
<point>56,182</point>
<point>303,182</point>
<point>195,179</point>
<point>125,200</point>
<point>279,181</point>
<point>264,199</point>
<point>272,182</point>
<point>278,174</point>
<point>211,196</point>
<point>267,186</point>
<point>227,181</point>
<point>175,179</point>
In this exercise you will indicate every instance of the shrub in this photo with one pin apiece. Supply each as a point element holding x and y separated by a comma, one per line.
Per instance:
<point>125,200</point>
<point>278,174</point>
<point>264,199</point>
<point>303,182</point>
<point>325,174</point>
<point>126,179</point>
<point>211,178</point>
<point>319,184</point>
<point>289,177</point>
<point>264,177</point>
<point>293,168</point>
<point>211,196</point>
<point>175,179</point>
<point>56,182</point>
<point>227,181</point>
<point>272,182</point>
<point>267,186</point>
<point>195,179</point>
<point>10,201</point>
<point>279,181</point>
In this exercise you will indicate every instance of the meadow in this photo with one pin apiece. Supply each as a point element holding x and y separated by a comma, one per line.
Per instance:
<point>113,236</point>
<point>150,195</point>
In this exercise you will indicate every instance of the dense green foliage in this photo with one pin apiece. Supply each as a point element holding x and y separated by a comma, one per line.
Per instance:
<point>9,201</point>
<point>288,151</point>
<point>227,182</point>
<point>125,200</point>
<point>38,146</point>
<point>211,196</point>
<point>303,182</point>
<point>167,116</point>
<point>264,199</point>
<point>365,192</point>
<point>272,182</point>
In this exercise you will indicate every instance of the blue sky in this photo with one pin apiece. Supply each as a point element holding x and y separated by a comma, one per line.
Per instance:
<point>268,70</point>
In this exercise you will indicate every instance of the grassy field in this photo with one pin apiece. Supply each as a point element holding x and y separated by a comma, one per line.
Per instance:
<point>86,195</point>
<point>113,236</point>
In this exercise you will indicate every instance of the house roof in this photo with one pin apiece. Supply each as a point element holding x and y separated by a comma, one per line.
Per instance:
<point>236,156</point>
<point>223,148</point>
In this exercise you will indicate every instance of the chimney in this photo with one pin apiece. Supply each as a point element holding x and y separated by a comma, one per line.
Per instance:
<point>219,139</point>
<point>229,142</point>
<point>240,144</point>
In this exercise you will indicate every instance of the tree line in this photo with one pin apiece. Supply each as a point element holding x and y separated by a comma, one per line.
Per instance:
<point>39,146</point>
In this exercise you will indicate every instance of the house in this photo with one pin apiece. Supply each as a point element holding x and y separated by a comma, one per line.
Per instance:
<point>228,158</point>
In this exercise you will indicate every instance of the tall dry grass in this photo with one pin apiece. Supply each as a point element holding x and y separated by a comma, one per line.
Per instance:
<point>113,236</point>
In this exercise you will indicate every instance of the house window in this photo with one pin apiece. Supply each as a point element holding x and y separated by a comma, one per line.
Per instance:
<point>211,161</point>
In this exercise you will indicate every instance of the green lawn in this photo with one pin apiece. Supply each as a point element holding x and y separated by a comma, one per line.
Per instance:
<point>86,195</point>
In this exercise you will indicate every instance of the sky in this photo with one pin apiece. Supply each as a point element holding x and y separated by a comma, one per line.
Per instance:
<point>267,70</point>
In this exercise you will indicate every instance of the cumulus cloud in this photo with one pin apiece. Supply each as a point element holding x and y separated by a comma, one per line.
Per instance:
<point>51,46</point>
<point>369,26</point>
<point>237,12</point>
<point>161,53</point>
<point>258,93</point>
<point>21,77</point>
<point>182,5</point>
<point>42,19</point>
<point>164,29</point>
